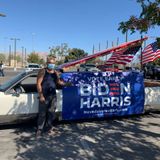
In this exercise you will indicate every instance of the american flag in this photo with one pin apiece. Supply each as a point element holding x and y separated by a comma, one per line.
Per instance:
<point>123,57</point>
<point>150,53</point>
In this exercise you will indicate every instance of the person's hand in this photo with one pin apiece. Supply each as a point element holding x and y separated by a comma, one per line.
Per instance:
<point>42,99</point>
<point>68,84</point>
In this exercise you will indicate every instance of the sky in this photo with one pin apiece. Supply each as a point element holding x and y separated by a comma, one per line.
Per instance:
<point>40,24</point>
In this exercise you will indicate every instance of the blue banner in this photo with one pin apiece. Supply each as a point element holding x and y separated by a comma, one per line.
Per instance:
<point>102,94</point>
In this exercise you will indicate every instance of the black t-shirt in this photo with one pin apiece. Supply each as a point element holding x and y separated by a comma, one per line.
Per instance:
<point>49,84</point>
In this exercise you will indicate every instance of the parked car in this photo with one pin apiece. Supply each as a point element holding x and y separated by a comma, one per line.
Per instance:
<point>88,68</point>
<point>105,68</point>
<point>152,71</point>
<point>32,66</point>
<point>19,98</point>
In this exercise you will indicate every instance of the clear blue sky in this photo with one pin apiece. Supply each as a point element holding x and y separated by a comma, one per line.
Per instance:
<point>79,23</point>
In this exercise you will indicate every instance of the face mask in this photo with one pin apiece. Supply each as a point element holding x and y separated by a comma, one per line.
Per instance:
<point>50,66</point>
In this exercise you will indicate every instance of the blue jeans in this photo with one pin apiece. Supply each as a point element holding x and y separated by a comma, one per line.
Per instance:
<point>1,73</point>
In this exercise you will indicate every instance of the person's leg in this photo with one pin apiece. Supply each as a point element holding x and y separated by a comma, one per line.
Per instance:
<point>2,73</point>
<point>51,111</point>
<point>41,116</point>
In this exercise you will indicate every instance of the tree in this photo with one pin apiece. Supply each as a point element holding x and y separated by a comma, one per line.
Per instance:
<point>2,57</point>
<point>74,54</point>
<point>41,61</point>
<point>149,17</point>
<point>59,51</point>
<point>156,62</point>
<point>34,58</point>
<point>18,58</point>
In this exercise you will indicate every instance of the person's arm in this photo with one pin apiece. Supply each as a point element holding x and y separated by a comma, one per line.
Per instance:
<point>62,82</point>
<point>59,81</point>
<point>39,84</point>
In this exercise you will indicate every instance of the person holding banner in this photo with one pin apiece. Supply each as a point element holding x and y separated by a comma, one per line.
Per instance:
<point>47,81</point>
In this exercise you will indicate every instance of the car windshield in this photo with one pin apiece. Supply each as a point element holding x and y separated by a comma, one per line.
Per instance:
<point>13,80</point>
<point>87,65</point>
<point>90,65</point>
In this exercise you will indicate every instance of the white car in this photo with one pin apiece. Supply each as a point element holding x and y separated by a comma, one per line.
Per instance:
<point>19,98</point>
<point>32,66</point>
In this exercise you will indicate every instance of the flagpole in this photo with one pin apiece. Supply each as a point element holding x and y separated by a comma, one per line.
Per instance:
<point>93,50</point>
<point>141,56</point>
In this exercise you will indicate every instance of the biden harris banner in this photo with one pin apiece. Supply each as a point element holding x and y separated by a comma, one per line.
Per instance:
<point>102,94</point>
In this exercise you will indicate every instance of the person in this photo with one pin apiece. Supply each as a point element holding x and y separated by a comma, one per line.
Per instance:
<point>47,80</point>
<point>1,69</point>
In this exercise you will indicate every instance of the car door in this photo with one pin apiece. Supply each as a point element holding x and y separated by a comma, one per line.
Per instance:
<point>21,98</point>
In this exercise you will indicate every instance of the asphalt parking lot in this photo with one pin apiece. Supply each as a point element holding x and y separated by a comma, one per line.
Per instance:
<point>129,138</point>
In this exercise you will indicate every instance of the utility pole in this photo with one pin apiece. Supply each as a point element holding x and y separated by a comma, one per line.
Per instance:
<point>117,41</point>
<point>22,55</point>
<point>15,54</point>
<point>106,44</point>
<point>99,47</point>
<point>25,56</point>
<point>33,40</point>
<point>112,44</point>
<point>10,55</point>
<point>93,50</point>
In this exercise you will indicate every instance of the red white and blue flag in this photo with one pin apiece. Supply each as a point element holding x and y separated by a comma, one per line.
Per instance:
<point>150,53</point>
<point>123,57</point>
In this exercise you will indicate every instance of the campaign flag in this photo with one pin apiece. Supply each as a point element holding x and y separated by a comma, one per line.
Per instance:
<point>124,56</point>
<point>150,53</point>
<point>102,94</point>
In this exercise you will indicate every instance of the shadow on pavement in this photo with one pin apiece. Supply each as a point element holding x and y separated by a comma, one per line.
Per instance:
<point>123,138</point>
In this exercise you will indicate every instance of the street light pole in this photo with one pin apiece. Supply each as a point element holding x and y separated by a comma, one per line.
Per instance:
<point>10,55</point>
<point>33,40</point>
<point>22,55</point>
<point>25,56</point>
<point>15,55</point>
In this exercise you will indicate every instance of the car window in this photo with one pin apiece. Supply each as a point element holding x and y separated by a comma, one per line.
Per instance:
<point>29,80</point>
<point>90,65</point>
<point>33,66</point>
<point>29,84</point>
